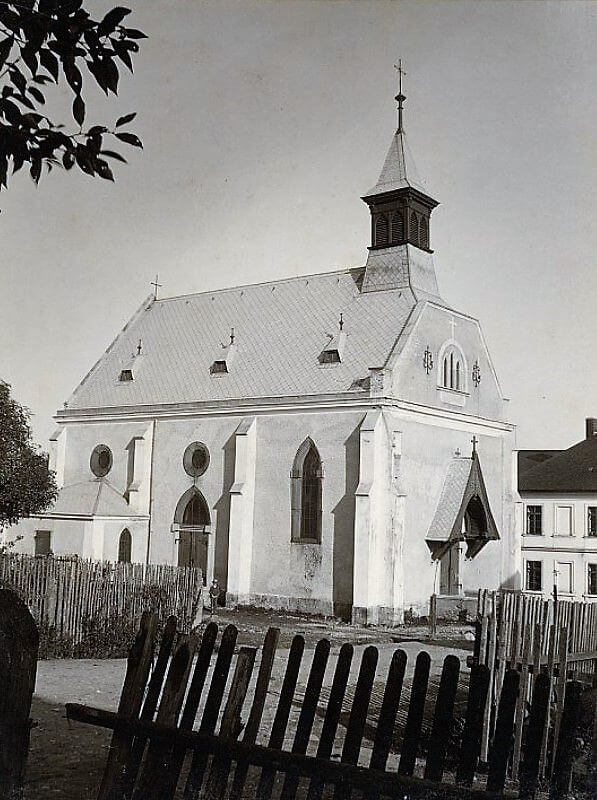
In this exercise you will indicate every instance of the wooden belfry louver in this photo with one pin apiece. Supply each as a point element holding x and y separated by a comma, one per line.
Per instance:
<point>154,727</point>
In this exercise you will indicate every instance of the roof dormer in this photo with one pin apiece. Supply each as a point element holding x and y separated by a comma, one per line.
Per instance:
<point>221,364</point>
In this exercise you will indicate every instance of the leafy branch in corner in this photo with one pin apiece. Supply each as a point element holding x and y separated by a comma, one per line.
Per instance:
<point>52,41</point>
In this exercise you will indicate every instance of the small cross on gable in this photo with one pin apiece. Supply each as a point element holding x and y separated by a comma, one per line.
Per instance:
<point>156,286</point>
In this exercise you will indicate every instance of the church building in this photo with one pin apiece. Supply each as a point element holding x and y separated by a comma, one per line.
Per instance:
<point>333,444</point>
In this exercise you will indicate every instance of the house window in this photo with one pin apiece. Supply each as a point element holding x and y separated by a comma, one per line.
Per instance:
<point>306,494</point>
<point>591,578</point>
<point>533,583</point>
<point>381,231</point>
<point>564,577</point>
<point>452,369</point>
<point>534,520</point>
<point>563,521</point>
<point>43,542</point>
<point>397,227</point>
<point>592,521</point>
<point>100,461</point>
<point>124,547</point>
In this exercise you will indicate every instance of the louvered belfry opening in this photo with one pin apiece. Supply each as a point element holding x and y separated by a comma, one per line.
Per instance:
<point>311,496</point>
<point>397,228</point>
<point>381,231</point>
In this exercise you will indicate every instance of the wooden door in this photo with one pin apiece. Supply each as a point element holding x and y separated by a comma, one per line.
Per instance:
<point>193,548</point>
<point>449,576</point>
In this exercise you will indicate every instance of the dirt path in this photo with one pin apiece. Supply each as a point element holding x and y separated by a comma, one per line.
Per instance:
<point>66,759</point>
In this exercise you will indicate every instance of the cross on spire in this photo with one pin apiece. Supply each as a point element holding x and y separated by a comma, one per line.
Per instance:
<point>400,97</point>
<point>156,286</point>
<point>474,442</point>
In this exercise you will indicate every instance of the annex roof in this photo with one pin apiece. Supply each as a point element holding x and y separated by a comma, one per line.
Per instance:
<point>463,482</point>
<point>280,329</point>
<point>93,498</point>
<point>571,470</point>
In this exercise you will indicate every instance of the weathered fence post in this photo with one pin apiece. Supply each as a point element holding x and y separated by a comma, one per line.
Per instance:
<point>19,641</point>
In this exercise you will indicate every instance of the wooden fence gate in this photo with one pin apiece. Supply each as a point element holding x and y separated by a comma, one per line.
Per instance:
<point>155,747</point>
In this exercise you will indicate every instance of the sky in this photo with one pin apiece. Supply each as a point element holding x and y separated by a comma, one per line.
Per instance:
<point>263,124</point>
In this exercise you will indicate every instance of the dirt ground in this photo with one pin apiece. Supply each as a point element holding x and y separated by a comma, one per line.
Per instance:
<point>66,759</point>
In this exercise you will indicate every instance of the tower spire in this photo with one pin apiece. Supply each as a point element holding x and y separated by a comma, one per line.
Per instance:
<point>400,97</point>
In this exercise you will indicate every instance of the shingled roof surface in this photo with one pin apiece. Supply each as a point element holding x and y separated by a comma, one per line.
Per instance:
<point>280,328</point>
<point>571,470</point>
<point>95,497</point>
<point>399,170</point>
<point>528,459</point>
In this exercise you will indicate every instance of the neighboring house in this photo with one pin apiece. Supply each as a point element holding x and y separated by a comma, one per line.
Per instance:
<point>557,518</point>
<point>307,441</point>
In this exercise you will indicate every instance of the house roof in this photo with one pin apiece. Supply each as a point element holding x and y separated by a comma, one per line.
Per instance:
<point>527,459</point>
<point>399,170</point>
<point>571,470</point>
<point>93,498</point>
<point>280,330</point>
<point>463,481</point>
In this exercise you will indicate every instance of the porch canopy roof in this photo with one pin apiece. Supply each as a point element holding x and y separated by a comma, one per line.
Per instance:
<point>463,499</point>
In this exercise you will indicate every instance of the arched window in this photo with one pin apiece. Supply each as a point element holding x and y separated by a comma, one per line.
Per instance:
<point>124,547</point>
<point>196,514</point>
<point>306,494</point>
<point>453,365</point>
<point>397,227</point>
<point>423,233</point>
<point>381,231</point>
<point>414,228</point>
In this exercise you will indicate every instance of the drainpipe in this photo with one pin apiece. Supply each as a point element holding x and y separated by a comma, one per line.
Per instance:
<point>153,427</point>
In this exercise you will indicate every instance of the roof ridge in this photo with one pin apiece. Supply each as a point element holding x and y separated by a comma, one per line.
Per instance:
<point>277,281</point>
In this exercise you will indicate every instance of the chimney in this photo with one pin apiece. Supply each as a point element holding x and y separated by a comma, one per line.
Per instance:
<point>591,428</point>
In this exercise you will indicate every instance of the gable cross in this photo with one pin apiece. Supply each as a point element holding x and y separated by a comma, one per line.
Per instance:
<point>474,442</point>
<point>156,286</point>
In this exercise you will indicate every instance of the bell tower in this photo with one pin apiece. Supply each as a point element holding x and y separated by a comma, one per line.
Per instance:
<point>400,211</point>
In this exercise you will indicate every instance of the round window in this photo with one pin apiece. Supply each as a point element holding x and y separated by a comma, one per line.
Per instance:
<point>101,460</point>
<point>196,459</point>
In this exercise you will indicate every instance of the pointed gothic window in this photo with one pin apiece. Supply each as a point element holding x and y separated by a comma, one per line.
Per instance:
<point>381,231</point>
<point>124,547</point>
<point>423,233</point>
<point>306,494</point>
<point>414,228</point>
<point>397,227</point>
<point>452,375</point>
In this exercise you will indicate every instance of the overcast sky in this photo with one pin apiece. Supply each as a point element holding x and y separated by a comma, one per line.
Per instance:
<point>263,124</point>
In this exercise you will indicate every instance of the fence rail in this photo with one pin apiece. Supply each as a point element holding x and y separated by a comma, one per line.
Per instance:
<point>92,608</point>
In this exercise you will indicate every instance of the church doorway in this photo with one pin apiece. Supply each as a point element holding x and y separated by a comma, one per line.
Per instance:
<point>193,520</point>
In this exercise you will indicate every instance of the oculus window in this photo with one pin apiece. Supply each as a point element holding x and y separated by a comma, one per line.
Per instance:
<point>101,460</point>
<point>196,459</point>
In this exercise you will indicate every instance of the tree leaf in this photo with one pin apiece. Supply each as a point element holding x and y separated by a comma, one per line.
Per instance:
<point>112,19</point>
<point>30,58</point>
<point>34,92</point>
<point>49,61</point>
<point>73,75</point>
<point>5,48</point>
<point>127,118</point>
<point>79,109</point>
<point>114,154</point>
<point>103,170</point>
<point>35,169</point>
<point>135,34</point>
<point>17,78</point>
<point>129,138</point>
<point>96,130</point>
<point>68,159</point>
<point>124,55</point>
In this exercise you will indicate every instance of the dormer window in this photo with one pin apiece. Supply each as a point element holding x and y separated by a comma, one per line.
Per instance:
<point>221,365</point>
<point>126,375</point>
<point>218,367</point>
<point>332,353</point>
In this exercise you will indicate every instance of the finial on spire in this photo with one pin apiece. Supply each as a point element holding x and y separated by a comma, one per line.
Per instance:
<point>400,98</point>
<point>139,347</point>
<point>341,322</point>
<point>156,286</point>
<point>231,335</point>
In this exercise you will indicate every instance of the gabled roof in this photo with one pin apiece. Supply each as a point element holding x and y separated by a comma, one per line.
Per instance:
<point>399,170</point>
<point>463,482</point>
<point>93,498</point>
<point>571,470</point>
<point>280,330</point>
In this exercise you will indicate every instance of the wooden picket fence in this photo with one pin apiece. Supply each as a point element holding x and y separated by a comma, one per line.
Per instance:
<point>92,608</point>
<point>160,750</point>
<point>534,635</point>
